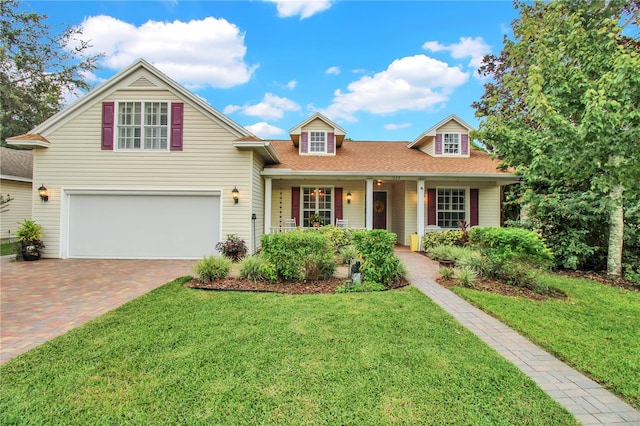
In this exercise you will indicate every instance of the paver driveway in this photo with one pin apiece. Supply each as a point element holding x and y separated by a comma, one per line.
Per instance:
<point>41,300</point>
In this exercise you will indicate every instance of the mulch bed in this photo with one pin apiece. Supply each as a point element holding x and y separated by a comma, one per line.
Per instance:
<point>484,284</point>
<point>316,287</point>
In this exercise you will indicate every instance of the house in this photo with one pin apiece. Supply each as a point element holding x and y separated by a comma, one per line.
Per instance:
<point>142,168</point>
<point>16,170</point>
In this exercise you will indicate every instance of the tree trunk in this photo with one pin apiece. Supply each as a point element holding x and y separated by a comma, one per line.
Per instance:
<point>616,234</point>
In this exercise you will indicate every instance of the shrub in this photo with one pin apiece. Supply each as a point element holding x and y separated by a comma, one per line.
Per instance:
<point>379,264</point>
<point>286,254</point>
<point>339,237</point>
<point>359,288</point>
<point>466,277</point>
<point>234,248</point>
<point>318,266</point>
<point>474,260</point>
<point>348,253</point>
<point>251,268</point>
<point>445,252</point>
<point>508,243</point>
<point>212,268</point>
<point>449,237</point>
<point>446,272</point>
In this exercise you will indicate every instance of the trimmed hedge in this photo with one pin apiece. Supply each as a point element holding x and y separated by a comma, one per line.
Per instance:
<point>450,237</point>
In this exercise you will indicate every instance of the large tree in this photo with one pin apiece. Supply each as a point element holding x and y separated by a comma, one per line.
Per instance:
<point>563,106</point>
<point>38,66</point>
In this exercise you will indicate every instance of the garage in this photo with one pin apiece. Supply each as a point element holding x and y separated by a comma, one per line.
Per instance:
<point>143,224</point>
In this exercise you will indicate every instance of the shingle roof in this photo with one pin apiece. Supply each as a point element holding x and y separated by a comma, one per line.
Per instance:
<point>17,163</point>
<point>384,157</point>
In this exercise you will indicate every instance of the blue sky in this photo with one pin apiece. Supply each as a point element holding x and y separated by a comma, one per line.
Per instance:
<point>382,70</point>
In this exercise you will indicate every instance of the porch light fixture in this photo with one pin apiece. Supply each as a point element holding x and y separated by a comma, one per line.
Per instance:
<point>349,197</point>
<point>44,194</point>
<point>236,195</point>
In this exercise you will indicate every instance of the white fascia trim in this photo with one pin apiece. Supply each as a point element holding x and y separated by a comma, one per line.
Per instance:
<point>265,148</point>
<point>16,178</point>
<point>432,131</point>
<point>141,191</point>
<point>34,143</point>
<point>318,173</point>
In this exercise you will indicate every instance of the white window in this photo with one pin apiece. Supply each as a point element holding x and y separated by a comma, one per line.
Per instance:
<point>317,200</point>
<point>143,125</point>
<point>451,207</point>
<point>318,142</point>
<point>451,143</point>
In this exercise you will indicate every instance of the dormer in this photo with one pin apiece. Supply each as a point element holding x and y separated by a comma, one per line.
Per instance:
<point>448,138</point>
<point>317,135</point>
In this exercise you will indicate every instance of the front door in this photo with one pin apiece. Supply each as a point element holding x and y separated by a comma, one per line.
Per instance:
<point>379,210</point>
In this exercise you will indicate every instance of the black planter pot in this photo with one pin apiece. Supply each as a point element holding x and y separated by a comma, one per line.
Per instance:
<point>30,252</point>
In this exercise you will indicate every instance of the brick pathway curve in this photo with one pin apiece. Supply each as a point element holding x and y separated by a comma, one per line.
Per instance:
<point>41,300</point>
<point>589,402</point>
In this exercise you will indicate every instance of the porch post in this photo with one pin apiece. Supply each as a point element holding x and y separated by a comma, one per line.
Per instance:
<point>420,205</point>
<point>267,205</point>
<point>369,204</point>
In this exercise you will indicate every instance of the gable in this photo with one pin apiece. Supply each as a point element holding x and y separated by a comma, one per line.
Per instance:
<point>450,137</point>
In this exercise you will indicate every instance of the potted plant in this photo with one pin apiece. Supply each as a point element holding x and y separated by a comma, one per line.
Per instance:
<point>316,220</point>
<point>30,240</point>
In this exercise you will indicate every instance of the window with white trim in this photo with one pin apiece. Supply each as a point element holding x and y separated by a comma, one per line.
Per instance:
<point>451,143</point>
<point>318,142</point>
<point>451,207</point>
<point>317,200</point>
<point>143,126</point>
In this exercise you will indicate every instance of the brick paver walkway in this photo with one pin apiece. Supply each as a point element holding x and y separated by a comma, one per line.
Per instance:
<point>41,300</point>
<point>589,402</point>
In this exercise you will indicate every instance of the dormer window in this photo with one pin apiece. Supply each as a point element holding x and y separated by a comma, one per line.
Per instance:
<point>451,143</point>
<point>318,142</point>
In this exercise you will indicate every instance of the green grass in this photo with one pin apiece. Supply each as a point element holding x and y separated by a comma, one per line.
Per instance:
<point>597,330</point>
<point>187,356</point>
<point>7,248</point>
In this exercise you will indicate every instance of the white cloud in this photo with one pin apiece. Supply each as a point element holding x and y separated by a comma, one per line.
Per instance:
<point>392,126</point>
<point>264,129</point>
<point>292,84</point>
<point>304,8</point>
<point>272,106</point>
<point>475,48</point>
<point>333,70</point>
<point>205,52</point>
<point>411,83</point>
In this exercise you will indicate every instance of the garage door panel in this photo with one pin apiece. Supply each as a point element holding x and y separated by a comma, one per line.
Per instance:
<point>143,226</point>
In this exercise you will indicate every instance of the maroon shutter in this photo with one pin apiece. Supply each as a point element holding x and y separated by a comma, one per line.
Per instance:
<point>337,205</point>
<point>331,143</point>
<point>177,115</point>
<point>295,204</point>
<point>108,115</point>
<point>464,149</point>
<point>304,143</point>
<point>473,207</point>
<point>438,143</point>
<point>431,206</point>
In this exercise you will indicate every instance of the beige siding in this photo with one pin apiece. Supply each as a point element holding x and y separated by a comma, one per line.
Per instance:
<point>489,206</point>
<point>208,161</point>
<point>19,208</point>
<point>429,147</point>
<point>317,125</point>
<point>451,126</point>
<point>257,201</point>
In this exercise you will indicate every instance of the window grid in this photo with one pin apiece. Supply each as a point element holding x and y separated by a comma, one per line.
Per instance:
<point>317,142</point>
<point>318,200</point>
<point>451,143</point>
<point>134,127</point>
<point>451,207</point>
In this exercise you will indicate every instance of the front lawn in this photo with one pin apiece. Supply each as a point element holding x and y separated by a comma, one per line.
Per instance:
<point>596,330</point>
<point>187,356</point>
<point>7,248</point>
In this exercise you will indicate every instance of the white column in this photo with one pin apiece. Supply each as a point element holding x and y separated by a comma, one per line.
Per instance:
<point>369,204</point>
<point>420,204</point>
<point>267,205</point>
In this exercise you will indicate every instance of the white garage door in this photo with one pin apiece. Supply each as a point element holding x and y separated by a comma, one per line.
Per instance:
<point>143,226</point>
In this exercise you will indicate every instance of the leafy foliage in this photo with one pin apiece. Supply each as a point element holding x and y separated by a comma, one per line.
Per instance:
<point>251,268</point>
<point>446,272</point>
<point>348,253</point>
<point>234,247</point>
<point>379,264</point>
<point>38,66</point>
<point>339,237</point>
<point>507,243</point>
<point>362,287</point>
<point>212,268</point>
<point>290,255</point>
<point>563,108</point>
<point>449,237</point>
<point>466,277</point>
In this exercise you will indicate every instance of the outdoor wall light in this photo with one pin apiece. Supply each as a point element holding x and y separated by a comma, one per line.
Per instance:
<point>44,193</point>
<point>349,197</point>
<point>236,195</point>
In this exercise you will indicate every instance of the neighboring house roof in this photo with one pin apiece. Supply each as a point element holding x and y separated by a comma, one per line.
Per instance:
<point>113,84</point>
<point>16,164</point>
<point>358,158</point>
<point>432,130</point>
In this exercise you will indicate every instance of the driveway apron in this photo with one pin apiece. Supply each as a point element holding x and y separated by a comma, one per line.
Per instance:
<point>44,299</point>
<point>589,402</point>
